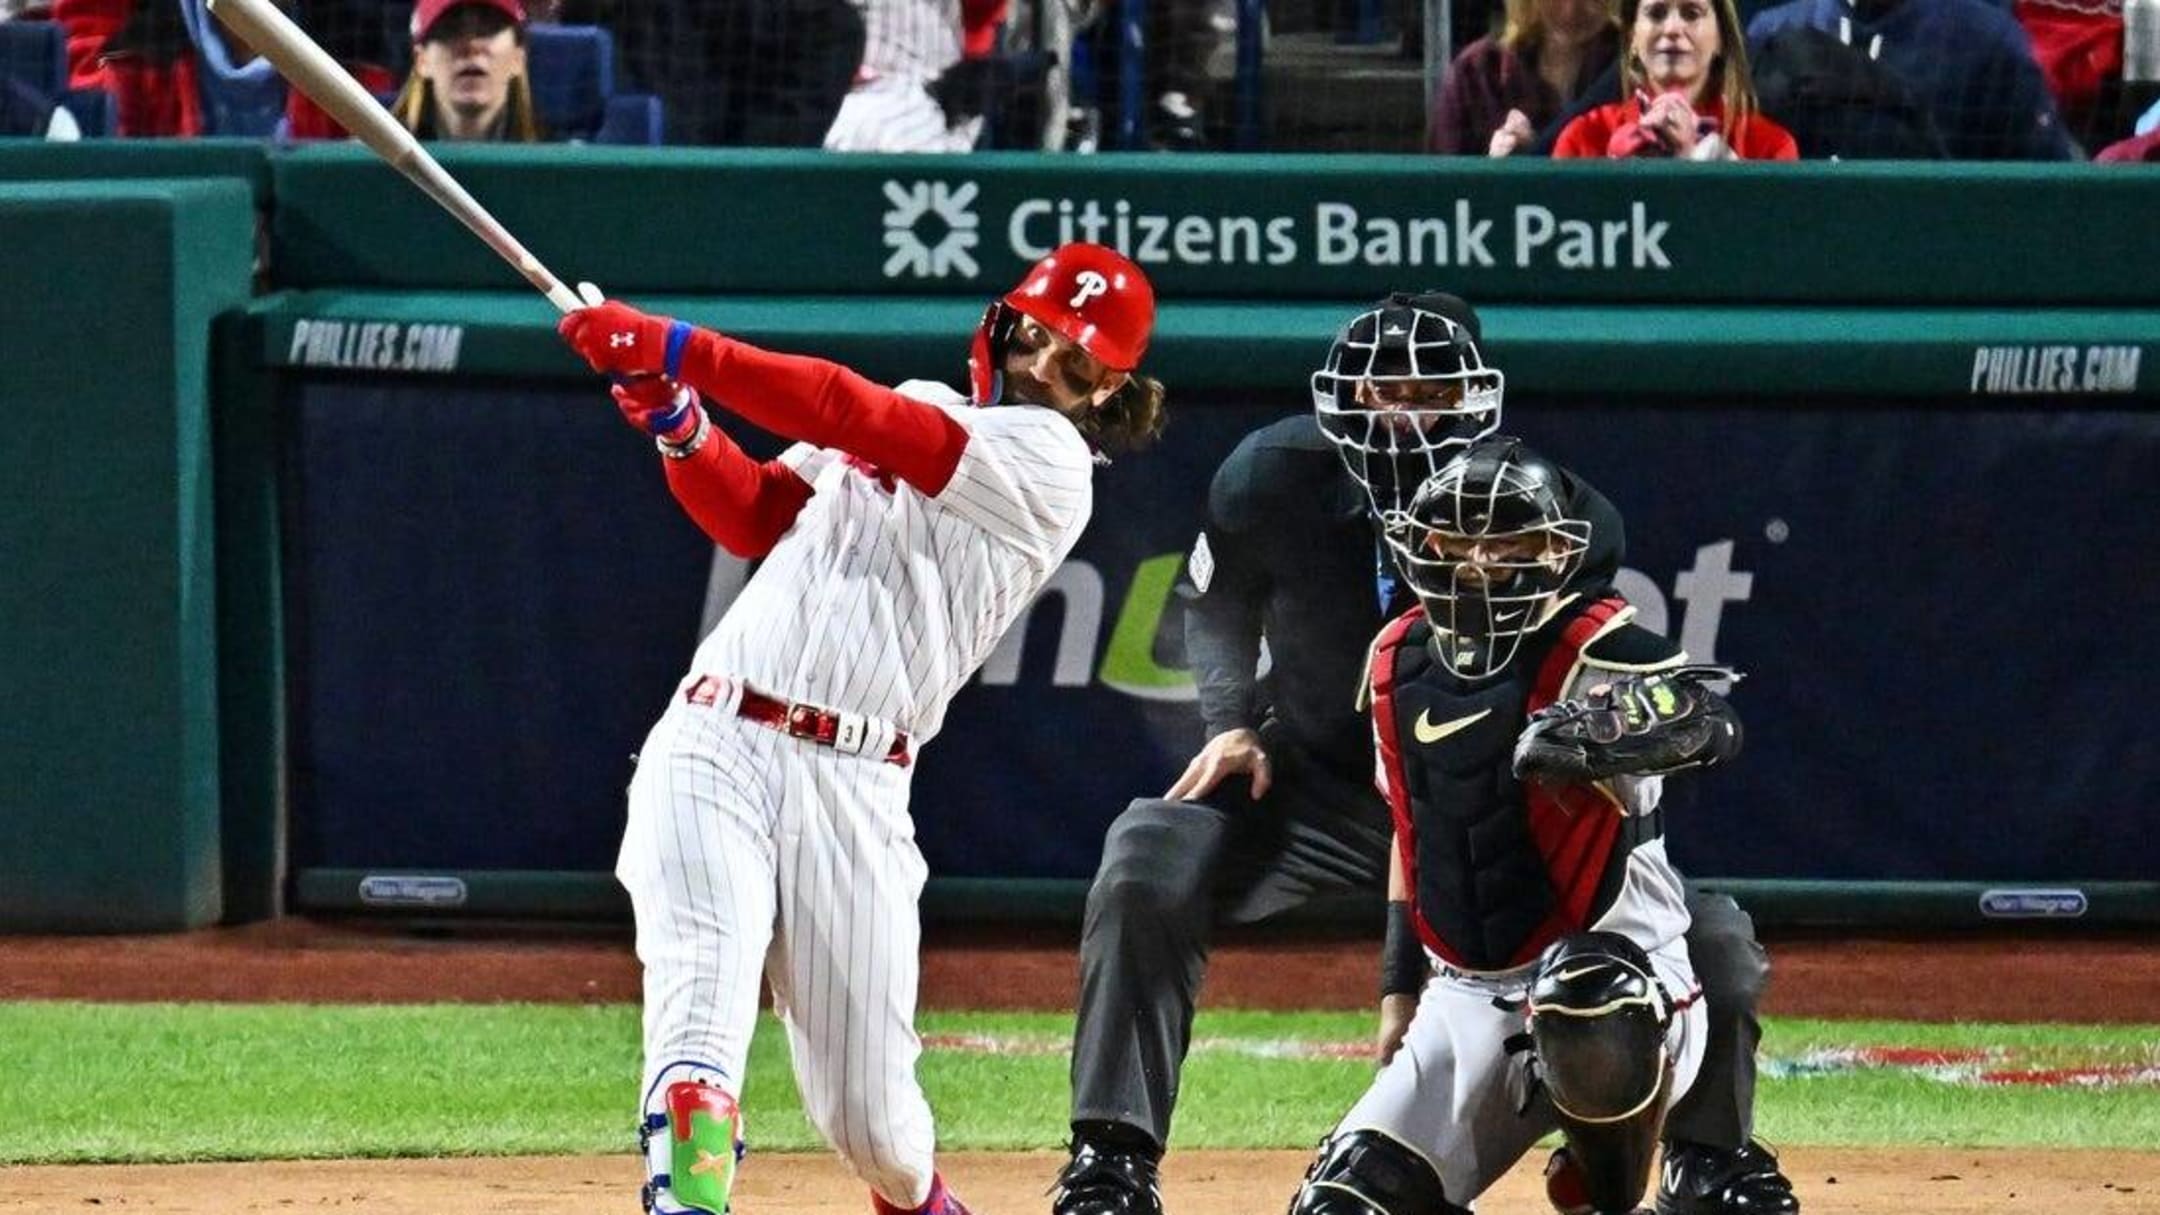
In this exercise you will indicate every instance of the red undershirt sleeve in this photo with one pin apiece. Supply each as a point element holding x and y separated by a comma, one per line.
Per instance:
<point>744,505</point>
<point>823,403</point>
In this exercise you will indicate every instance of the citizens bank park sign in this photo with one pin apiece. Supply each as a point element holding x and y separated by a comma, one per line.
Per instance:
<point>948,229</point>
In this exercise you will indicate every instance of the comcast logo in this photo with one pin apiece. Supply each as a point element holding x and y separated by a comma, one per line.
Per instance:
<point>930,228</point>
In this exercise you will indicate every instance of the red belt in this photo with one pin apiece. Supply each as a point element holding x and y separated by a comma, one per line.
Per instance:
<point>825,727</point>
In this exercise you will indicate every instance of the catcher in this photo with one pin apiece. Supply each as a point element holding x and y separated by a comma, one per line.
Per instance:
<point>1523,727</point>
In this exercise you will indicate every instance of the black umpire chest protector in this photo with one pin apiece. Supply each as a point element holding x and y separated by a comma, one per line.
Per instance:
<point>1498,868</point>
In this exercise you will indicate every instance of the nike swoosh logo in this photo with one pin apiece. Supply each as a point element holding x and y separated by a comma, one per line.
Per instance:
<point>1429,733</point>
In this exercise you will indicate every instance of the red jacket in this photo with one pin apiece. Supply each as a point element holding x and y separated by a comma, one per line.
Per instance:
<point>153,87</point>
<point>1591,134</point>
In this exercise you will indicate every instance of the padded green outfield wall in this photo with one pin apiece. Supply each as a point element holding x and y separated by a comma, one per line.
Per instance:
<point>110,794</point>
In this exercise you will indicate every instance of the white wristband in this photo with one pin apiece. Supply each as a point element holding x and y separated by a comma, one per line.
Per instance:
<point>688,447</point>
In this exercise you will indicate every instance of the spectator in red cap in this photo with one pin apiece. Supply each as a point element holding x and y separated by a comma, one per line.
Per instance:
<point>469,79</point>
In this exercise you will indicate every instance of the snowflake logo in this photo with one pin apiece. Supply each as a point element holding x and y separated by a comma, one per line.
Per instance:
<point>954,209</point>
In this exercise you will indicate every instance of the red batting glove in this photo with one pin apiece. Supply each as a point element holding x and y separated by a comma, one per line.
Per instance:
<point>658,406</point>
<point>619,340</point>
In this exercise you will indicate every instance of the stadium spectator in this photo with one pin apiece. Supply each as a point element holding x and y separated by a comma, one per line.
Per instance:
<point>1506,86</point>
<point>2138,149</point>
<point>2078,45</point>
<point>468,80</point>
<point>920,85</point>
<point>1685,88</point>
<point>1187,35</point>
<point>26,112</point>
<point>1838,103</point>
<point>355,34</point>
<point>137,51</point>
<point>765,73</point>
<point>1968,60</point>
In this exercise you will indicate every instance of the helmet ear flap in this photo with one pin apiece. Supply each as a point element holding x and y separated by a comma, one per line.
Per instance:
<point>986,354</point>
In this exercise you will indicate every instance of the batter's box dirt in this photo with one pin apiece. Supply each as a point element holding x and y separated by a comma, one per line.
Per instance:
<point>1830,1182</point>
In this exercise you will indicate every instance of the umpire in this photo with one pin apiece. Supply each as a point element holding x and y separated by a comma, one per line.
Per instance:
<point>1279,806</point>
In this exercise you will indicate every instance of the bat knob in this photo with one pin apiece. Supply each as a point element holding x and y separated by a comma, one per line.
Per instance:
<point>591,295</point>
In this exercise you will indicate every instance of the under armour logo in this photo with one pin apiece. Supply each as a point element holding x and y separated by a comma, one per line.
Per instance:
<point>1091,284</point>
<point>619,340</point>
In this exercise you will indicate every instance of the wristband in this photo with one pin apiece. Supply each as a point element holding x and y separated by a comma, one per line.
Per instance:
<point>660,424</point>
<point>688,447</point>
<point>678,339</point>
<point>1403,967</point>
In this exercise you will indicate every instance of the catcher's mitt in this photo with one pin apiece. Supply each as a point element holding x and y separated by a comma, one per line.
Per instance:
<point>1637,725</point>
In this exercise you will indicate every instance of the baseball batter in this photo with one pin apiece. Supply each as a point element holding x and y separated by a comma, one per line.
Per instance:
<point>769,831</point>
<point>1522,726</point>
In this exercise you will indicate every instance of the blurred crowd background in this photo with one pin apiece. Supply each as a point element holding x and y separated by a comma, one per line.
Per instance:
<point>1702,79</point>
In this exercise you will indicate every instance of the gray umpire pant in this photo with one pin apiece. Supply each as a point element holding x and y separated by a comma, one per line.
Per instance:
<point>1172,872</point>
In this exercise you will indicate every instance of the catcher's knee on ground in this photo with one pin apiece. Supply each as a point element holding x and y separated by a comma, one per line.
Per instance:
<point>691,1137</point>
<point>1598,1017</point>
<point>1366,1172</point>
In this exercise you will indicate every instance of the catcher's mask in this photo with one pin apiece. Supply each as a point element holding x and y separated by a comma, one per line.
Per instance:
<point>1403,386</point>
<point>1488,546</point>
<point>1090,295</point>
<point>1598,1017</point>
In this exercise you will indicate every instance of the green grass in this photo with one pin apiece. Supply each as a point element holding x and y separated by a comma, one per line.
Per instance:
<point>88,1082</point>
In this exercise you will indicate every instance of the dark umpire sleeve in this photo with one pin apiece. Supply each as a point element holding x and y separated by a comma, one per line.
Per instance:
<point>1223,589</point>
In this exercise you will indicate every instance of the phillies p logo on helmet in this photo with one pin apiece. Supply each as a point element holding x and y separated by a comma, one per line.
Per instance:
<point>1089,284</point>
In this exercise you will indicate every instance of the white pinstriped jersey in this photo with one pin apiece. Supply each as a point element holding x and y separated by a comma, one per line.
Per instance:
<point>883,601</point>
<point>914,39</point>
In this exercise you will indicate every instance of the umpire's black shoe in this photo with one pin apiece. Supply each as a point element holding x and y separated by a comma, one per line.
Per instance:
<point>1702,1180</point>
<point>1101,1181</point>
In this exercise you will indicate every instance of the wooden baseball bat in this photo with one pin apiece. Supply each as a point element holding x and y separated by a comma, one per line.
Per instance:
<point>311,70</point>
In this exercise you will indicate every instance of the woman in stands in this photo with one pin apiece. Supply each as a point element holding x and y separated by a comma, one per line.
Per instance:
<point>1504,88</point>
<point>469,79</point>
<point>1687,91</point>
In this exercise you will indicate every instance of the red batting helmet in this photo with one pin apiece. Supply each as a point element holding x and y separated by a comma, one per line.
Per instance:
<point>1091,295</point>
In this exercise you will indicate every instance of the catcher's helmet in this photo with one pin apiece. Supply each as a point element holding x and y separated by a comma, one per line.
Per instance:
<point>1403,385</point>
<point>1091,295</point>
<point>1488,546</point>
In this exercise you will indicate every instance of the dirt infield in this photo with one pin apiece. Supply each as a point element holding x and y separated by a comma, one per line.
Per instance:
<point>1986,978</point>
<point>1840,1182</point>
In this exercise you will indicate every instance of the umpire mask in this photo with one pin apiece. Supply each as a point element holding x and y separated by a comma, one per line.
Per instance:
<point>1487,545</point>
<point>1403,387</point>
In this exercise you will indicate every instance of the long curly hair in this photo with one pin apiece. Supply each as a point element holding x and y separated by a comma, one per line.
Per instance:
<point>1131,420</point>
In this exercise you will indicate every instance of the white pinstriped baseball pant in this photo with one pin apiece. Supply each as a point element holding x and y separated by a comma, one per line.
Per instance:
<point>749,851</point>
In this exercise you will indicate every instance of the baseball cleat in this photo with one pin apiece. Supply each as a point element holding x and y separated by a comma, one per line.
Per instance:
<point>942,1201</point>
<point>1107,1182</point>
<point>1702,1180</point>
